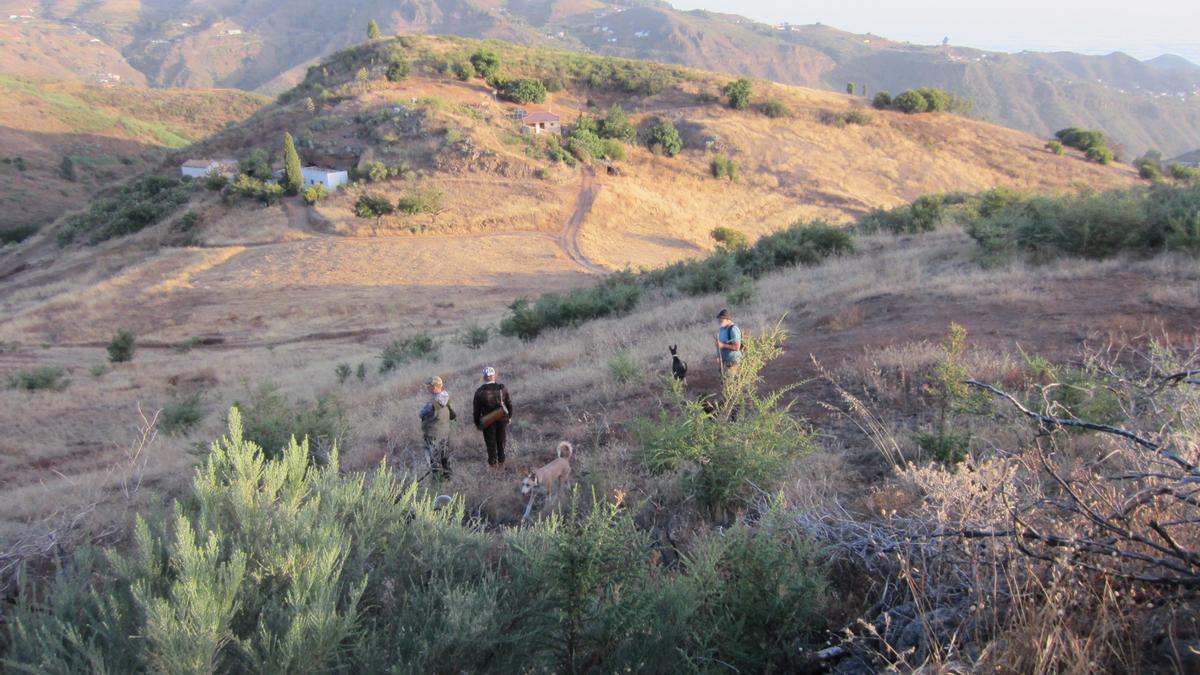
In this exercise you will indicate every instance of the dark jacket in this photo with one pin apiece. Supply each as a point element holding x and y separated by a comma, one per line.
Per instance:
<point>488,398</point>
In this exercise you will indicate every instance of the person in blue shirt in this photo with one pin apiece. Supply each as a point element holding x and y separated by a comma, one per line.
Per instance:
<point>729,342</point>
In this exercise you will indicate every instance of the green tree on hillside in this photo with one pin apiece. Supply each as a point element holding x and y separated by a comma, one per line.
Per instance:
<point>293,176</point>
<point>256,165</point>
<point>486,63</point>
<point>67,169</point>
<point>522,91</point>
<point>616,125</point>
<point>739,92</point>
<point>850,88</point>
<point>911,102</point>
<point>883,100</point>
<point>373,30</point>
<point>664,137</point>
<point>398,70</point>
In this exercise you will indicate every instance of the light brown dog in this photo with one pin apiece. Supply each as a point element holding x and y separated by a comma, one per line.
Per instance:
<point>554,477</point>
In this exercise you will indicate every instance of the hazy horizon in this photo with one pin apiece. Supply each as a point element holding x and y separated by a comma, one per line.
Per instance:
<point>1145,30</point>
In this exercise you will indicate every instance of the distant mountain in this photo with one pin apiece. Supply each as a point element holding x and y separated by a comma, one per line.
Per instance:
<point>267,44</point>
<point>1172,62</point>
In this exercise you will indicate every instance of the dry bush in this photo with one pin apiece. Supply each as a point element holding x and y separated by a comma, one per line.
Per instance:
<point>1046,554</point>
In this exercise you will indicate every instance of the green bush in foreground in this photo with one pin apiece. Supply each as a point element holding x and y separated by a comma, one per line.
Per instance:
<point>742,448</point>
<point>49,378</point>
<point>279,565</point>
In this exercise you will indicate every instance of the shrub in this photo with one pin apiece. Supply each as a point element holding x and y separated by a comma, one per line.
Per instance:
<point>1080,139</point>
<point>585,145</point>
<point>375,171</point>
<point>406,350</point>
<point>1091,225</point>
<point>614,150</point>
<point>616,294</point>
<point>1180,172</point>
<point>398,70</point>
<point>953,398</point>
<point>522,91</point>
<point>486,63</point>
<point>616,125</point>
<point>48,378</point>
<point>257,164</point>
<point>343,372</point>
<point>725,167</point>
<point>181,415</point>
<point>729,239</point>
<point>739,92</point>
<point>122,346</point>
<point>420,201</point>
<point>859,117</point>
<point>775,109</point>
<point>882,100</point>
<point>742,293</point>
<point>624,368</point>
<point>923,215</point>
<point>16,235</point>
<point>215,181</point>
<point>663,137</point>
<point>742,447</point>
<point>315,193</point>
<point>1055,147</point>
<point>99,370</point>
<point>361,372</point>
<point>1150,171</point>
<point>274,422</point>
<point>1184,235</point>
<point>373,206</point>
<point>270,563</point>
<point>911,102</point>
<point>135,206</point>
<point>475,336</point>
<point>247,187</point>
<point>464,70</point>
<point>1100,155</point>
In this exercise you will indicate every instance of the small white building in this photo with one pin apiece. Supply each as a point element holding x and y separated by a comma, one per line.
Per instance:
<point>330,178</point>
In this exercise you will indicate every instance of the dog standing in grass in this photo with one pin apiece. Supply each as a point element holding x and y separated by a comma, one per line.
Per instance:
<point>554,477</point>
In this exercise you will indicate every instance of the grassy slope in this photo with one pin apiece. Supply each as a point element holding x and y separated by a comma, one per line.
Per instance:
<point>109,134</point>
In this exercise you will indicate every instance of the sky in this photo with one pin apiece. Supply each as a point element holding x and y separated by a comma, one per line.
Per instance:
<point>1143,28</point>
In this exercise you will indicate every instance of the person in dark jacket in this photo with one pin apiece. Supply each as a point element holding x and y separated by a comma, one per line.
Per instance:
<point>493,411</point>
<point>435,417</point>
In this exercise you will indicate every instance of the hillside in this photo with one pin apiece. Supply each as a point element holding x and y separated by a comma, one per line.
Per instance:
<point>63,140</point>
<point>265,45</point>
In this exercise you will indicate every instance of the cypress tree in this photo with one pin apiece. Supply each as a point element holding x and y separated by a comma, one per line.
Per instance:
<point>293,177</point>
<point>373,30</point>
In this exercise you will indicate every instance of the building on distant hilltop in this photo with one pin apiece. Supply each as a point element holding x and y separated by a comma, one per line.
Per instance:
<point>541,123</point>
<point>199,168</point>
<point>330,178</point>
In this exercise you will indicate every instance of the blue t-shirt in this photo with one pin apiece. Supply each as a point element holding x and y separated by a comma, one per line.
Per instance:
<point>728,335</point>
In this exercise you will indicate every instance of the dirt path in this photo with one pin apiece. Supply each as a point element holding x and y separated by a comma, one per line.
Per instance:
<point>568,240</point>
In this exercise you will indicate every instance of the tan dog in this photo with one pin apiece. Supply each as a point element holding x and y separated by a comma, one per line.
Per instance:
<point>554,477</point>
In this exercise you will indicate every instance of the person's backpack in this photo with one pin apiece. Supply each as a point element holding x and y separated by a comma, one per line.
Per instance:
<point>741,343</point>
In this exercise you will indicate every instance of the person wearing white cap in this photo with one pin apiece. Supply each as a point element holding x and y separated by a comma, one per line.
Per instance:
<point>492,409</point>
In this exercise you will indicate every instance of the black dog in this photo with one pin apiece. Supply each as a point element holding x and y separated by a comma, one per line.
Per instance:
<point>678,367</point>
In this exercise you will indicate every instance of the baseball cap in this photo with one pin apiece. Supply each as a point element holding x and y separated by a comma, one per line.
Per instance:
<point>434,381</point>
<point>489,372</point>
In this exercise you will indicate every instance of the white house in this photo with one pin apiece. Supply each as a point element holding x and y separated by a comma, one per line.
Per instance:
<point>330,178</point>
